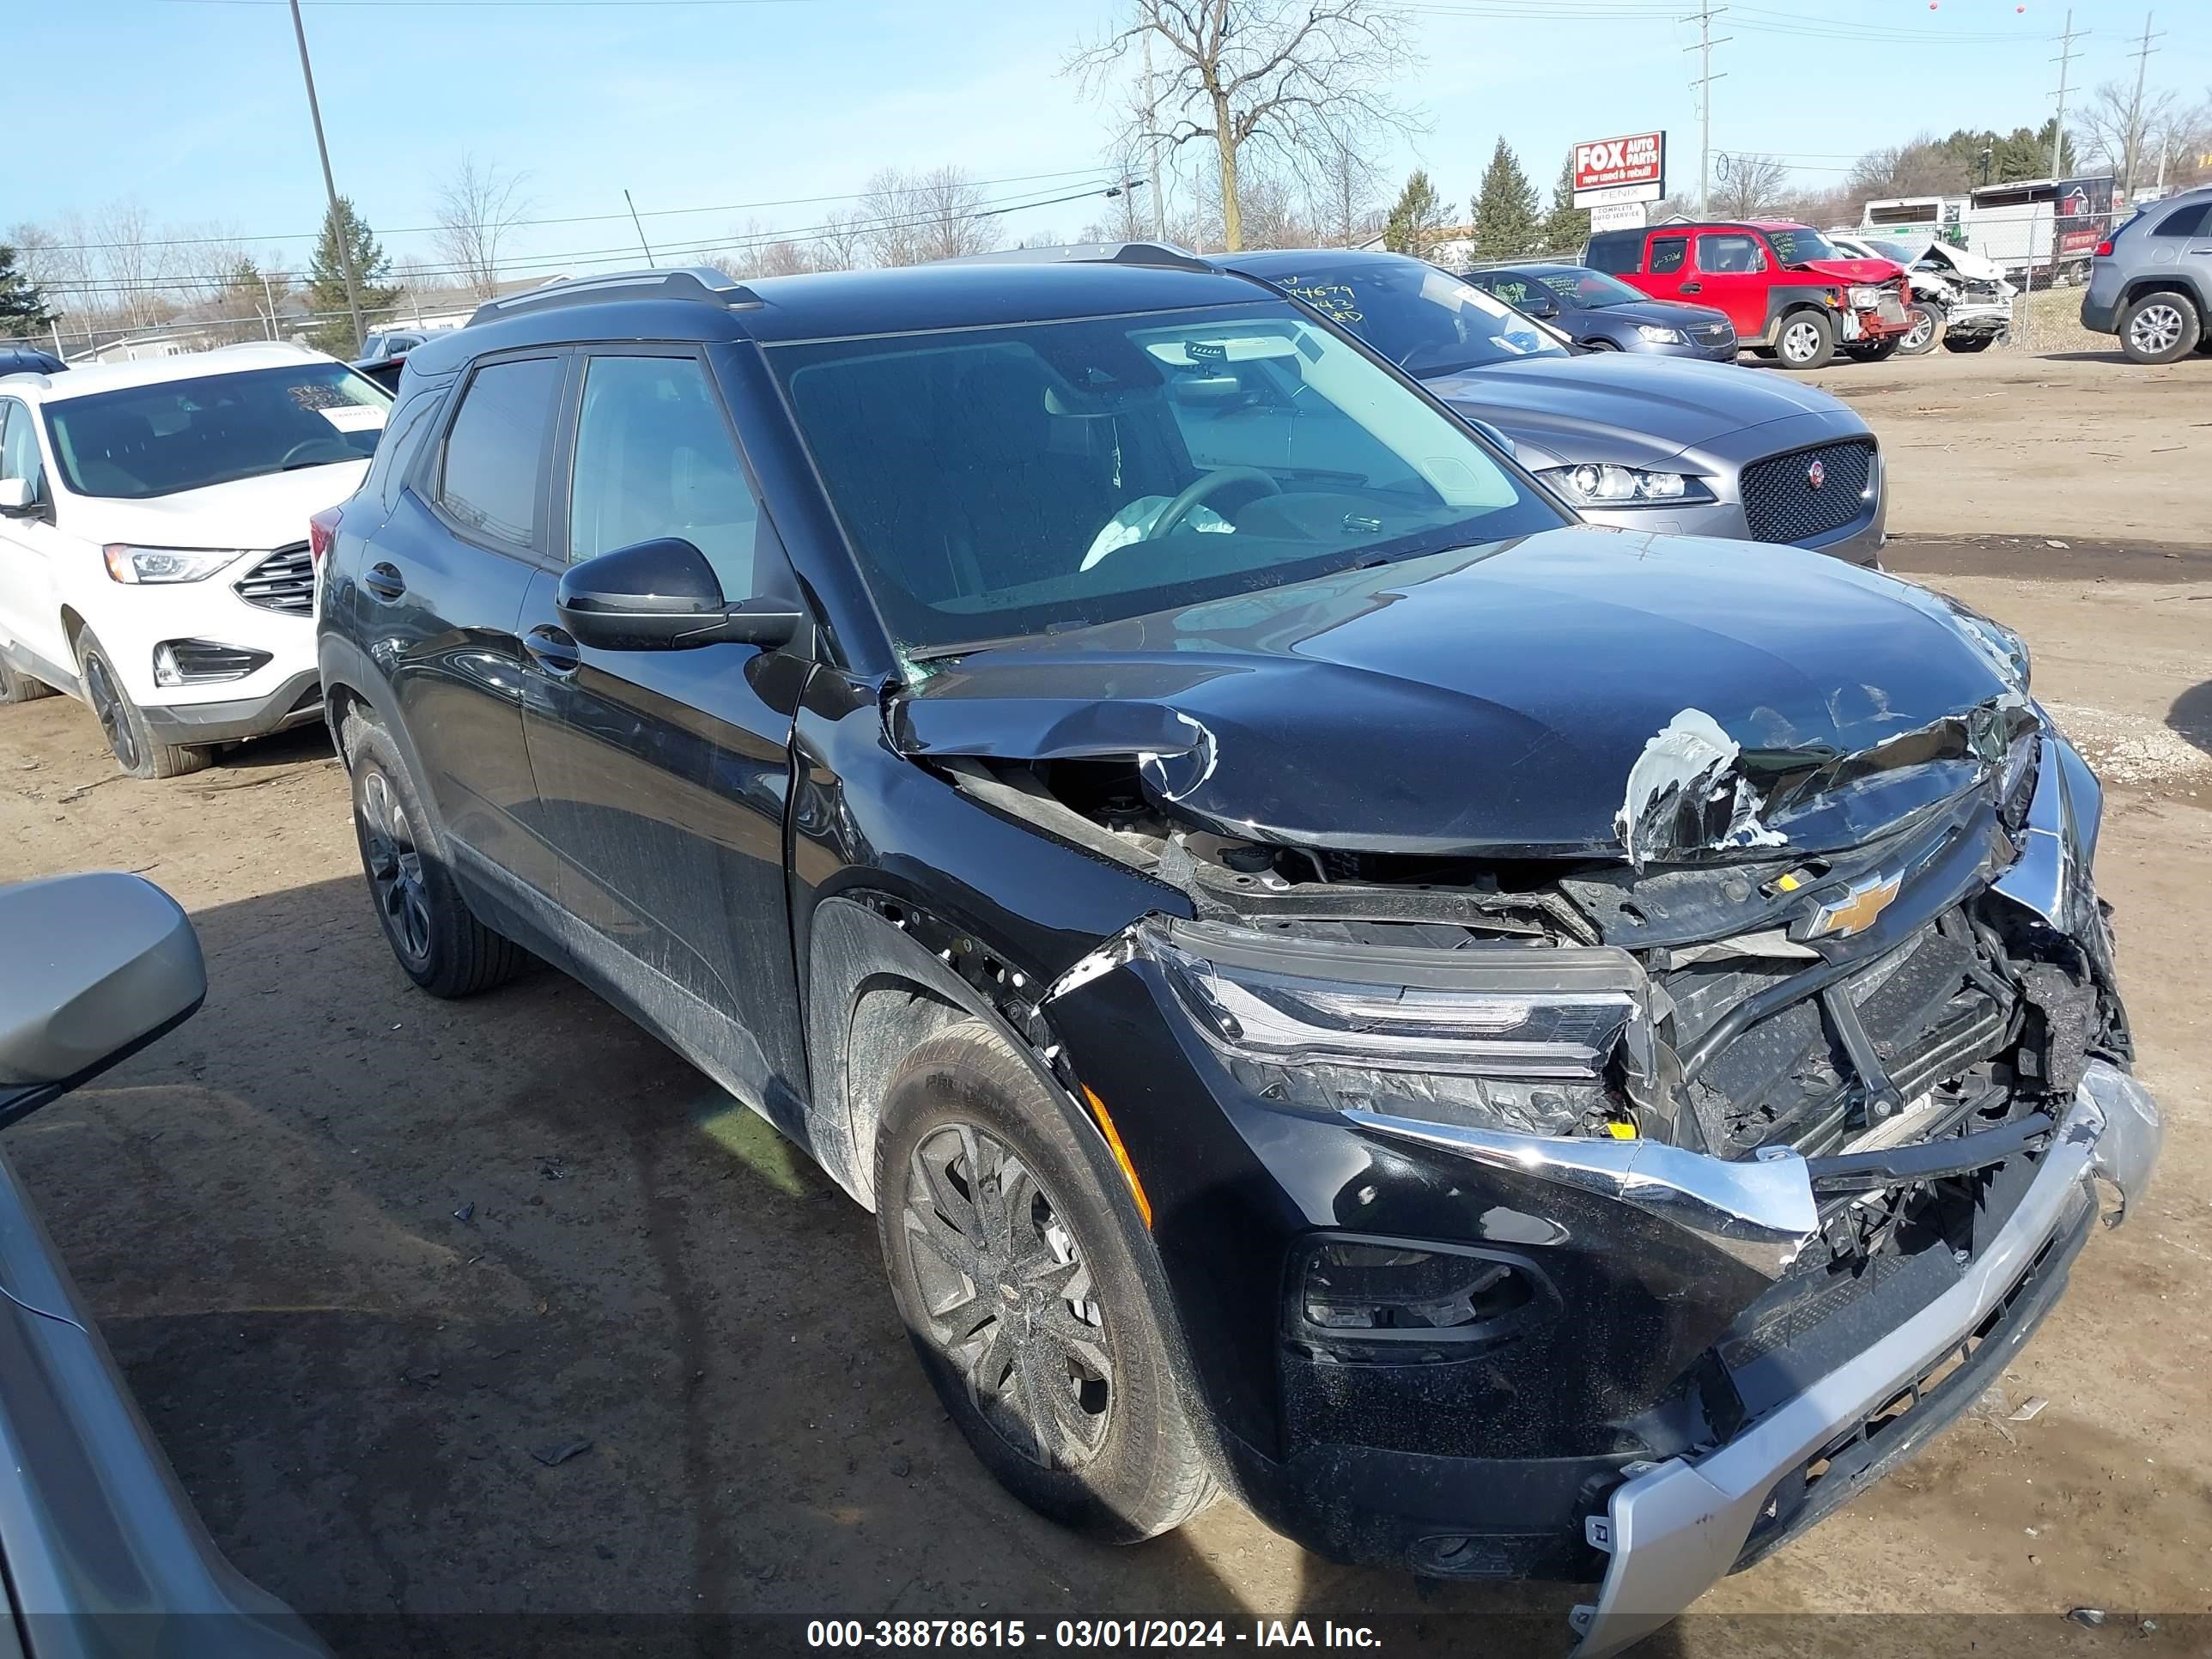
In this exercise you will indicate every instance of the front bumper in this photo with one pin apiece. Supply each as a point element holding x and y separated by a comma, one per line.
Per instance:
<point>296,700</point>
<point>1673,1530</point>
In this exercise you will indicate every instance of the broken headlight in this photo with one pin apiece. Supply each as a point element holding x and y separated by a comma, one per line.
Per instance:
<point>1490,1012</point>
<point>2006,650</point>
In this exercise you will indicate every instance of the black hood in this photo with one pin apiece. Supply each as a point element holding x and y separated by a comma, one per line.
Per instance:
<point>1498,699</point>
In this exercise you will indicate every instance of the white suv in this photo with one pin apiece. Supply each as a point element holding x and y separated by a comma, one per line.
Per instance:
<point>154,540</point>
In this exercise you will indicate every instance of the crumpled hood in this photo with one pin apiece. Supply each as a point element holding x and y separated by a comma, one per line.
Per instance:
<point>263,513</point>
<point>1498,699</point>
<point>1634,406</point>
<point>1852,270</point>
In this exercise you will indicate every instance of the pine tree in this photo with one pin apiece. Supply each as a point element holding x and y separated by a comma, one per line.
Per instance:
<point>1416,219</point>
<point>1566,228</point>
<point>22,307</point>
<point>326,284</point>
<point>1508,215</point>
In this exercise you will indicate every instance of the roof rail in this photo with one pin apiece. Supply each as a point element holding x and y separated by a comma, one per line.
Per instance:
<point>701,284</point>
<point>1103,253</point>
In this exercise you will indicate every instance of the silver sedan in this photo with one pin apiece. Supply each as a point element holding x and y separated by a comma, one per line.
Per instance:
<point>1650,443</point>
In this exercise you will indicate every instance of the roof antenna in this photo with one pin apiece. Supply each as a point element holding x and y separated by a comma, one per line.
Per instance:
<point>641,242</point>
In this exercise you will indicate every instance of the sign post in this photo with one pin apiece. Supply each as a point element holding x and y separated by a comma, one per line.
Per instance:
<point>1612,171</point>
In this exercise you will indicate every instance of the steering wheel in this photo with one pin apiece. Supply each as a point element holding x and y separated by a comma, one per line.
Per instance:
<point>1207,484</point>
<point>308,446</point>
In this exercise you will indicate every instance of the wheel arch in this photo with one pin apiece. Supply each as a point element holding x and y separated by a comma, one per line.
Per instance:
<point>2176,283</point>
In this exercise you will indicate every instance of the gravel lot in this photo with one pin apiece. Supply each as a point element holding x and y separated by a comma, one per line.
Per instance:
<point>361,1253</point>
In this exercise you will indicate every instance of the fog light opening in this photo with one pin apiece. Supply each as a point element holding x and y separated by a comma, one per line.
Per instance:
<point>1353,1288</point>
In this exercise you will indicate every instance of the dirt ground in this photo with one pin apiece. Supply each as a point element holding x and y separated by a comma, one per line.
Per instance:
<point>361,1253</point>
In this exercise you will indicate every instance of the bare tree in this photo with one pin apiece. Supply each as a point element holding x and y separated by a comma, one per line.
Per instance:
<point>127,261</point>
<point>478,204</point>
<point>1290,81</point>
<point>1752,186</point>
<point>1342,202</point>
<point>843,242</point>
<point>1920,167</point>
<point>913,218</point>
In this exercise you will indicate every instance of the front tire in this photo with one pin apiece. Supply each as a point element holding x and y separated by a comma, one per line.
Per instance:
<point>2160,327</point>
<point>136,749</point>
<point>1013,1250</point>
<point>1977,342</point>
<point>1926,331</point>
<point>1806,340</point>
<point>440,943</point>
<point>1874,351</point>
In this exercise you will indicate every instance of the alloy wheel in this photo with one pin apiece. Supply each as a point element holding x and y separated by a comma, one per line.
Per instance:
<point>107,703</point>
<point>2154,329</point>
<point>1800,341</point>
<point>395,866</point>
<point>1008,1296</point>
<point>1923,324</point>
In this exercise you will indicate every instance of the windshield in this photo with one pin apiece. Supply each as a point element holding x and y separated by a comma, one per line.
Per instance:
<point>1426,321</point>
<point>1005,482</point>
<point>1796,245</point>
<point>147,441</point>
<point>1901,253</point>
<point>1586,290</point>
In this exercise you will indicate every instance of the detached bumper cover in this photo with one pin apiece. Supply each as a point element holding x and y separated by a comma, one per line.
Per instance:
<point>1675,1529</point>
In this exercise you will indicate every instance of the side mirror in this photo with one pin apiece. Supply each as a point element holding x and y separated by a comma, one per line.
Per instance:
<point>1543,306</point>
<point>662,595</point>
<point>17,499</point>
<point>1493,433</point>
<point>96,967</point>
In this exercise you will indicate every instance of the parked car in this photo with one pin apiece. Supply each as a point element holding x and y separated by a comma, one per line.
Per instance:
<point>383,355</point>
<point>19,357</point>
<point>1600,313</point>
<point>2150,282</point>
<point>1640,443</point>
<point>1955,297</point>
<point>1513,1048</point>
<point>102,1553</point>
<point>1790,294</point>
<point>154,541</point>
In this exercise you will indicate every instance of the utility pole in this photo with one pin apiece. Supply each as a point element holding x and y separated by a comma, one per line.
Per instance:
<point>341,224</point>
<point>2134,110</point>
<point>269,294</point>
<point>1704,20</point>
<point>1152,144</point>
<point>2065,62</point>
<point>638,224</point>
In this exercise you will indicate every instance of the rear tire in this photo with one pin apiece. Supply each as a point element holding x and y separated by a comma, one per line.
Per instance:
<point>1927,330</point>
<point>2160,327</point>
<point>22,688</point>
<point>1042,1310</point>
<point>1598,343</point>
<point>136,749</point>
<point>437,938</point>
<point>1806,340</point>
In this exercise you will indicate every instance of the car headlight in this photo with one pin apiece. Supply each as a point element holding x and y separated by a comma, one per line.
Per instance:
<point>1511,1011</point>
<point>135,565</point>
<point>1595,484</point>
<point>1865,299</point>
<point>1652,334</point>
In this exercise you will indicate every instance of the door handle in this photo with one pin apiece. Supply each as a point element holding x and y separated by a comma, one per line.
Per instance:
<point>1693,287</point>
<point>383,581</point>
<point>554,650</point>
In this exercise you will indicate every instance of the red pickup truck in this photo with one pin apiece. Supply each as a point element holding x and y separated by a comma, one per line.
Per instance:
<point>1790,293</point>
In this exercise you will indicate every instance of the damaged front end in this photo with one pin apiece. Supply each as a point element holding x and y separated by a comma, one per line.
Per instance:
<point>1809,1059</point>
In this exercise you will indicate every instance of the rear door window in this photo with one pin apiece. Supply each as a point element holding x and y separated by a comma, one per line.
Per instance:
<point>492,484</point>
<point>1667,253</point>
<point>1729,253</point>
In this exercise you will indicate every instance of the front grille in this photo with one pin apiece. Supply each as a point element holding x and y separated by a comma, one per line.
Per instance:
<point>1715,334</point>
<point>285,580</point>
<point>1782,504</point>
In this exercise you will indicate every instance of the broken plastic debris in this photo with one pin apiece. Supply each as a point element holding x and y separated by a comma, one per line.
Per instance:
<point>466,1212</point>
<point>2030,1409</point>
<point>2091,1617</point>
<point>1684,794</point>
<point>560,1452</point>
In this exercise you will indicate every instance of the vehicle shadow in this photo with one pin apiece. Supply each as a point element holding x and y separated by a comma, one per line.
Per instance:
<point>2190,717</point>
<point>490,1326</point>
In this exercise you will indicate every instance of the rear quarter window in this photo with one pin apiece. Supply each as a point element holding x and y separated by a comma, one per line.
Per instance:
<point>2184,221</point>
<point>1613,251</point>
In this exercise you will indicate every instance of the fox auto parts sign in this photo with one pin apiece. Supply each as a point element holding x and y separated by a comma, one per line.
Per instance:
<point>1615,170</point>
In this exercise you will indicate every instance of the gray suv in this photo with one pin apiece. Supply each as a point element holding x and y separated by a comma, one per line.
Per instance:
<point>2151,282</point>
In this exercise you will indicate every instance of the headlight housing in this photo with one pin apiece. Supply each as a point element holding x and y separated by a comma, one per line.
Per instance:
<point>1652,334</point>
<point>1865,299</point>
<point>1592,483</point>
<point>1501,1012</point>
<point>2006,650</point>
<point>137,565</point>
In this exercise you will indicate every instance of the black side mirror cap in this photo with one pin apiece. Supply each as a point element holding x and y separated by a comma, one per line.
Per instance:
<point>662,595</point>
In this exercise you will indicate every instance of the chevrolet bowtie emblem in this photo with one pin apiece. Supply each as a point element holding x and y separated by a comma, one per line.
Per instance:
<point>1855,910</point>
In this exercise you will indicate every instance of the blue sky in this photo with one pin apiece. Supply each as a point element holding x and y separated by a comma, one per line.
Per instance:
<point>194,107</point>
